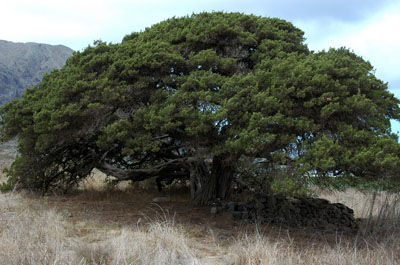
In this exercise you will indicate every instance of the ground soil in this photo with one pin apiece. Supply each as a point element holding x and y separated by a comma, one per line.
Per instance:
<point>135,207</point>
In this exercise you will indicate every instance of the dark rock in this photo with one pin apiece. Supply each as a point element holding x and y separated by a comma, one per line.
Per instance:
<point>323,201</point>
<point>330,226</point>
<point>338,205</point>
<point>308,212</point>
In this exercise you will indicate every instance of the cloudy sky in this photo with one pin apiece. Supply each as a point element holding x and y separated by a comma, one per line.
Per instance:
<point>369,27</point>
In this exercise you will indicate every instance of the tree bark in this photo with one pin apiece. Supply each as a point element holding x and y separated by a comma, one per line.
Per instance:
<point>215,184</point>
<point>223,171</point>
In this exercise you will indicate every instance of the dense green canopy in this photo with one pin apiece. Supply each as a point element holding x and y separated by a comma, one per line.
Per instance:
<point>210,87</point>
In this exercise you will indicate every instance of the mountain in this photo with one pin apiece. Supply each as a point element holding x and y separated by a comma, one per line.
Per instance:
<point>22,65</point>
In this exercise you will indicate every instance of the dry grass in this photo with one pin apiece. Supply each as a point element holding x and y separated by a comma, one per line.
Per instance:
<point>32,232</point>
<point>28,237</point>
<point>258,249</point>
<point>379,212</point>
<point>159,243</point>
<point>37,235</point>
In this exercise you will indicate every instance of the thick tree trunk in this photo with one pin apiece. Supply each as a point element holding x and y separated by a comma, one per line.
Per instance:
<point>223,171</point>
<point>214,184</point>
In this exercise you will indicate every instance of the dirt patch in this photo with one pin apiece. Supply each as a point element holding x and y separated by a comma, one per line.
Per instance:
<point>131,208</point>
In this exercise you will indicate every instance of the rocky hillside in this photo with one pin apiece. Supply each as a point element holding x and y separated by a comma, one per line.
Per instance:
<point>22,65</point>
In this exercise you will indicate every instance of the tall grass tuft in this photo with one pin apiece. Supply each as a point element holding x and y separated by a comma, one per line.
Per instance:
<point>29,237</point>
<point>37,235</point>
<point>257,249</point>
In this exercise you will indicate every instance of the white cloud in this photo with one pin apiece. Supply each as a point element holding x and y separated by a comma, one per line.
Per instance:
<point>380,42</point>
<point>38,26</point>
<point>376,39</point>
<point>57,21</point>
<point>76,23</point>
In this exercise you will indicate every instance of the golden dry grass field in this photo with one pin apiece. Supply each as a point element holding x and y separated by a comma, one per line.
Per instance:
<point>99,225</point>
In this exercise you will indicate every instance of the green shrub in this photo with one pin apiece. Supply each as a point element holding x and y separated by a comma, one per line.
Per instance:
<point>344,182</point>
<point>290,187</point>
<point>8,185</point>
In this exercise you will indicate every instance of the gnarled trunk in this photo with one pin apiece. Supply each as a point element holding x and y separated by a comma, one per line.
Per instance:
<point>213,184</point>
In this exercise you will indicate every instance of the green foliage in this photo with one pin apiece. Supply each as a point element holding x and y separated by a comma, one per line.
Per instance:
<point>8,186</point>
<point>290,186</point>
<point>345,182</point>
<point>209,85</point>
<point>263,177</point>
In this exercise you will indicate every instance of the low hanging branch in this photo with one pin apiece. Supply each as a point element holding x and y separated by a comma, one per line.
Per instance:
<point>193,167</point>
<point>169,168</point>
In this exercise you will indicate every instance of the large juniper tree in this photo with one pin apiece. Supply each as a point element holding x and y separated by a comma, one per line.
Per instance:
<point>212,86</point>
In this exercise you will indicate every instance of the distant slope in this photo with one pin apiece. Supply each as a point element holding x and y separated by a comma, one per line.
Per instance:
<point>22,65</point>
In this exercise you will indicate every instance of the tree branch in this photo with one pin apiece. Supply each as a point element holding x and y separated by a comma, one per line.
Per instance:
<point>166,168</point>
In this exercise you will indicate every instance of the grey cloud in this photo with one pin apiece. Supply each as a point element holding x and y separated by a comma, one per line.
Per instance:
<point>298,10</point>
<point>342,10</point>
